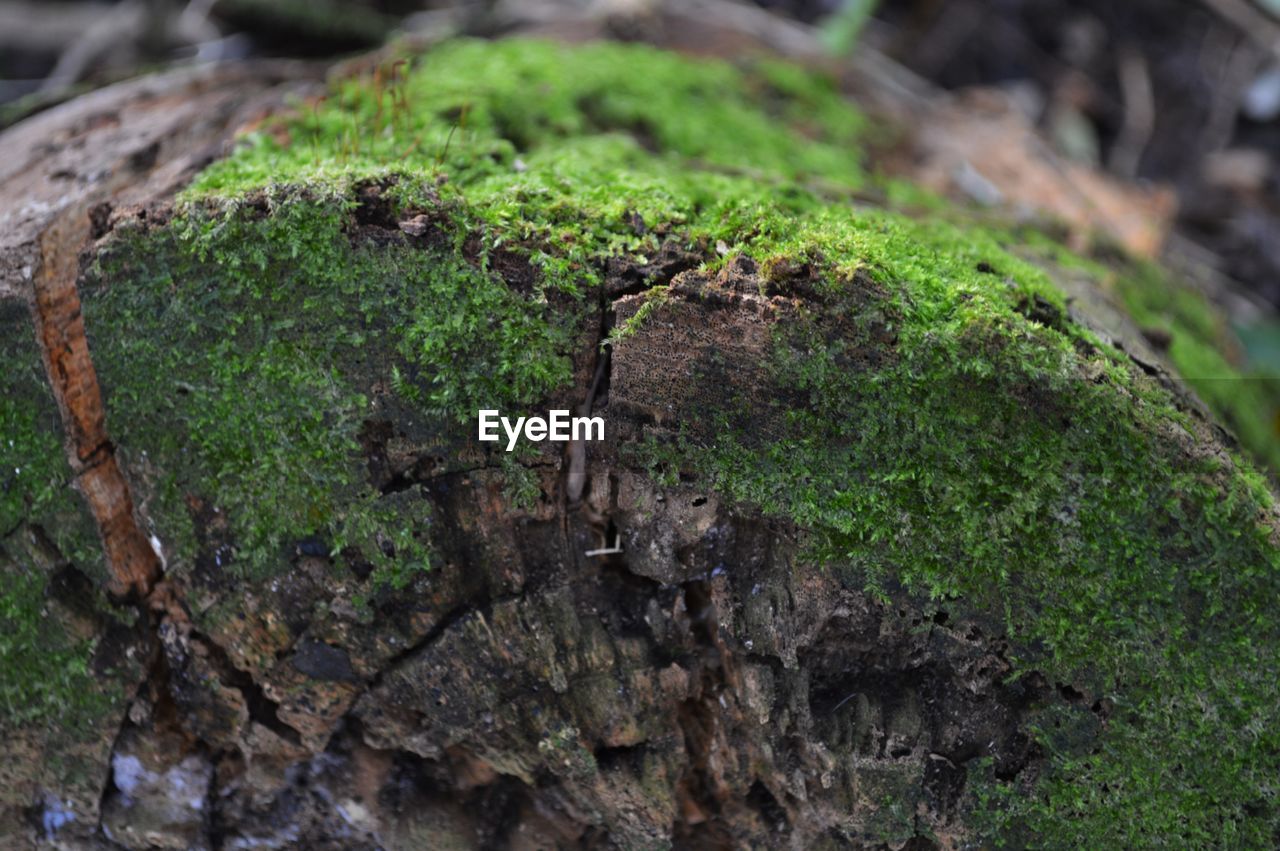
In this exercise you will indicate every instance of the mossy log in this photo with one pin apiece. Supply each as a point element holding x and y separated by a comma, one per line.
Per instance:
<point>900,534</point>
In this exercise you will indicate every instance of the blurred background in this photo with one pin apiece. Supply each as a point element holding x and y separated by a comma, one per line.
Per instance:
<point>1176,103</point>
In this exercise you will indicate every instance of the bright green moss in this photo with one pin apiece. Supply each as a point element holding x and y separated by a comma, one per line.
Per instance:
<point>574,152</point>
<point>939,424</point>
<point>472,109</point>
<point>994,457</point>
<point>1207,356</point>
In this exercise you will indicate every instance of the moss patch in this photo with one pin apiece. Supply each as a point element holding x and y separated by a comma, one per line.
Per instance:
<point>242,348</point>
<point>1190,332</point>
<point>1205,351</point>
<point>35,478</point>
<point>571,151</point>
<point>994,462</point>
<point>471,109</point>
<point>46,673</point>
<point>240,344</point>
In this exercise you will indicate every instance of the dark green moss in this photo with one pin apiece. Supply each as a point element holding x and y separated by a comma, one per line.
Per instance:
<point>34,475</point>
<point>46,673</point>
<point>35,479</point>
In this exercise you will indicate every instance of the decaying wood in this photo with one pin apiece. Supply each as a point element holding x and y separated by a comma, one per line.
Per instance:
<point>547,685</point>
<point>63,172</point>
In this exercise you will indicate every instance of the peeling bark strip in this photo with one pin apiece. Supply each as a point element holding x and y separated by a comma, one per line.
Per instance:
<point>55,311</point>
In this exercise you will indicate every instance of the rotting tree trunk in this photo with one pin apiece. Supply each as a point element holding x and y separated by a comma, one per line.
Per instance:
<point>673,649</point>
<point>63,171</point>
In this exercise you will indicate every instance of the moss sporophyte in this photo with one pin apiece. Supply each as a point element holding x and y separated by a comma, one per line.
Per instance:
<point>936,420</point>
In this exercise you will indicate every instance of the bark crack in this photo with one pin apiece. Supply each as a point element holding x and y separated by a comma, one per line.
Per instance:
<point>447,621</point>
<point>701,791</point>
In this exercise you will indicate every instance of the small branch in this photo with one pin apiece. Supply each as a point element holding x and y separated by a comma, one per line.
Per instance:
<point>1139,113</point>
<point>1256,25</point>
<point>123,26</point>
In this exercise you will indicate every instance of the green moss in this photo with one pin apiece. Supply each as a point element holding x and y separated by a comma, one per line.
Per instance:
<point>936,421</point>
<point>240,351</point>
<point>891,793</point>
<point>520,485</point>
<point>34,475</point>
<point>554,147</point>
<point>946,430</point>
<point>1207,355</point>
<point>35,478</point>
<point>46,676</point>
<point>1206,352</point>
<point>472,109</point>
<point>654,298</point>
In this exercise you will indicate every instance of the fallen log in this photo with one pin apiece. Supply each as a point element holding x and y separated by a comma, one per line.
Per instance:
<point>900,532</point>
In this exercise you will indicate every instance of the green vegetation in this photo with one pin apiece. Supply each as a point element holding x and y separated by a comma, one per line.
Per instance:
<point>1206,354</point>
<point>243,344</point>
<point>47,677</point>
<point>1239,383</point>
<point>1002,463</point>
<point>471,109</point>
<point>45,670</point>
<point>938,423</point>
<point>242,353</point>
<point>33,469</point>
<point>35,479</point>
<point>571,154</point>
